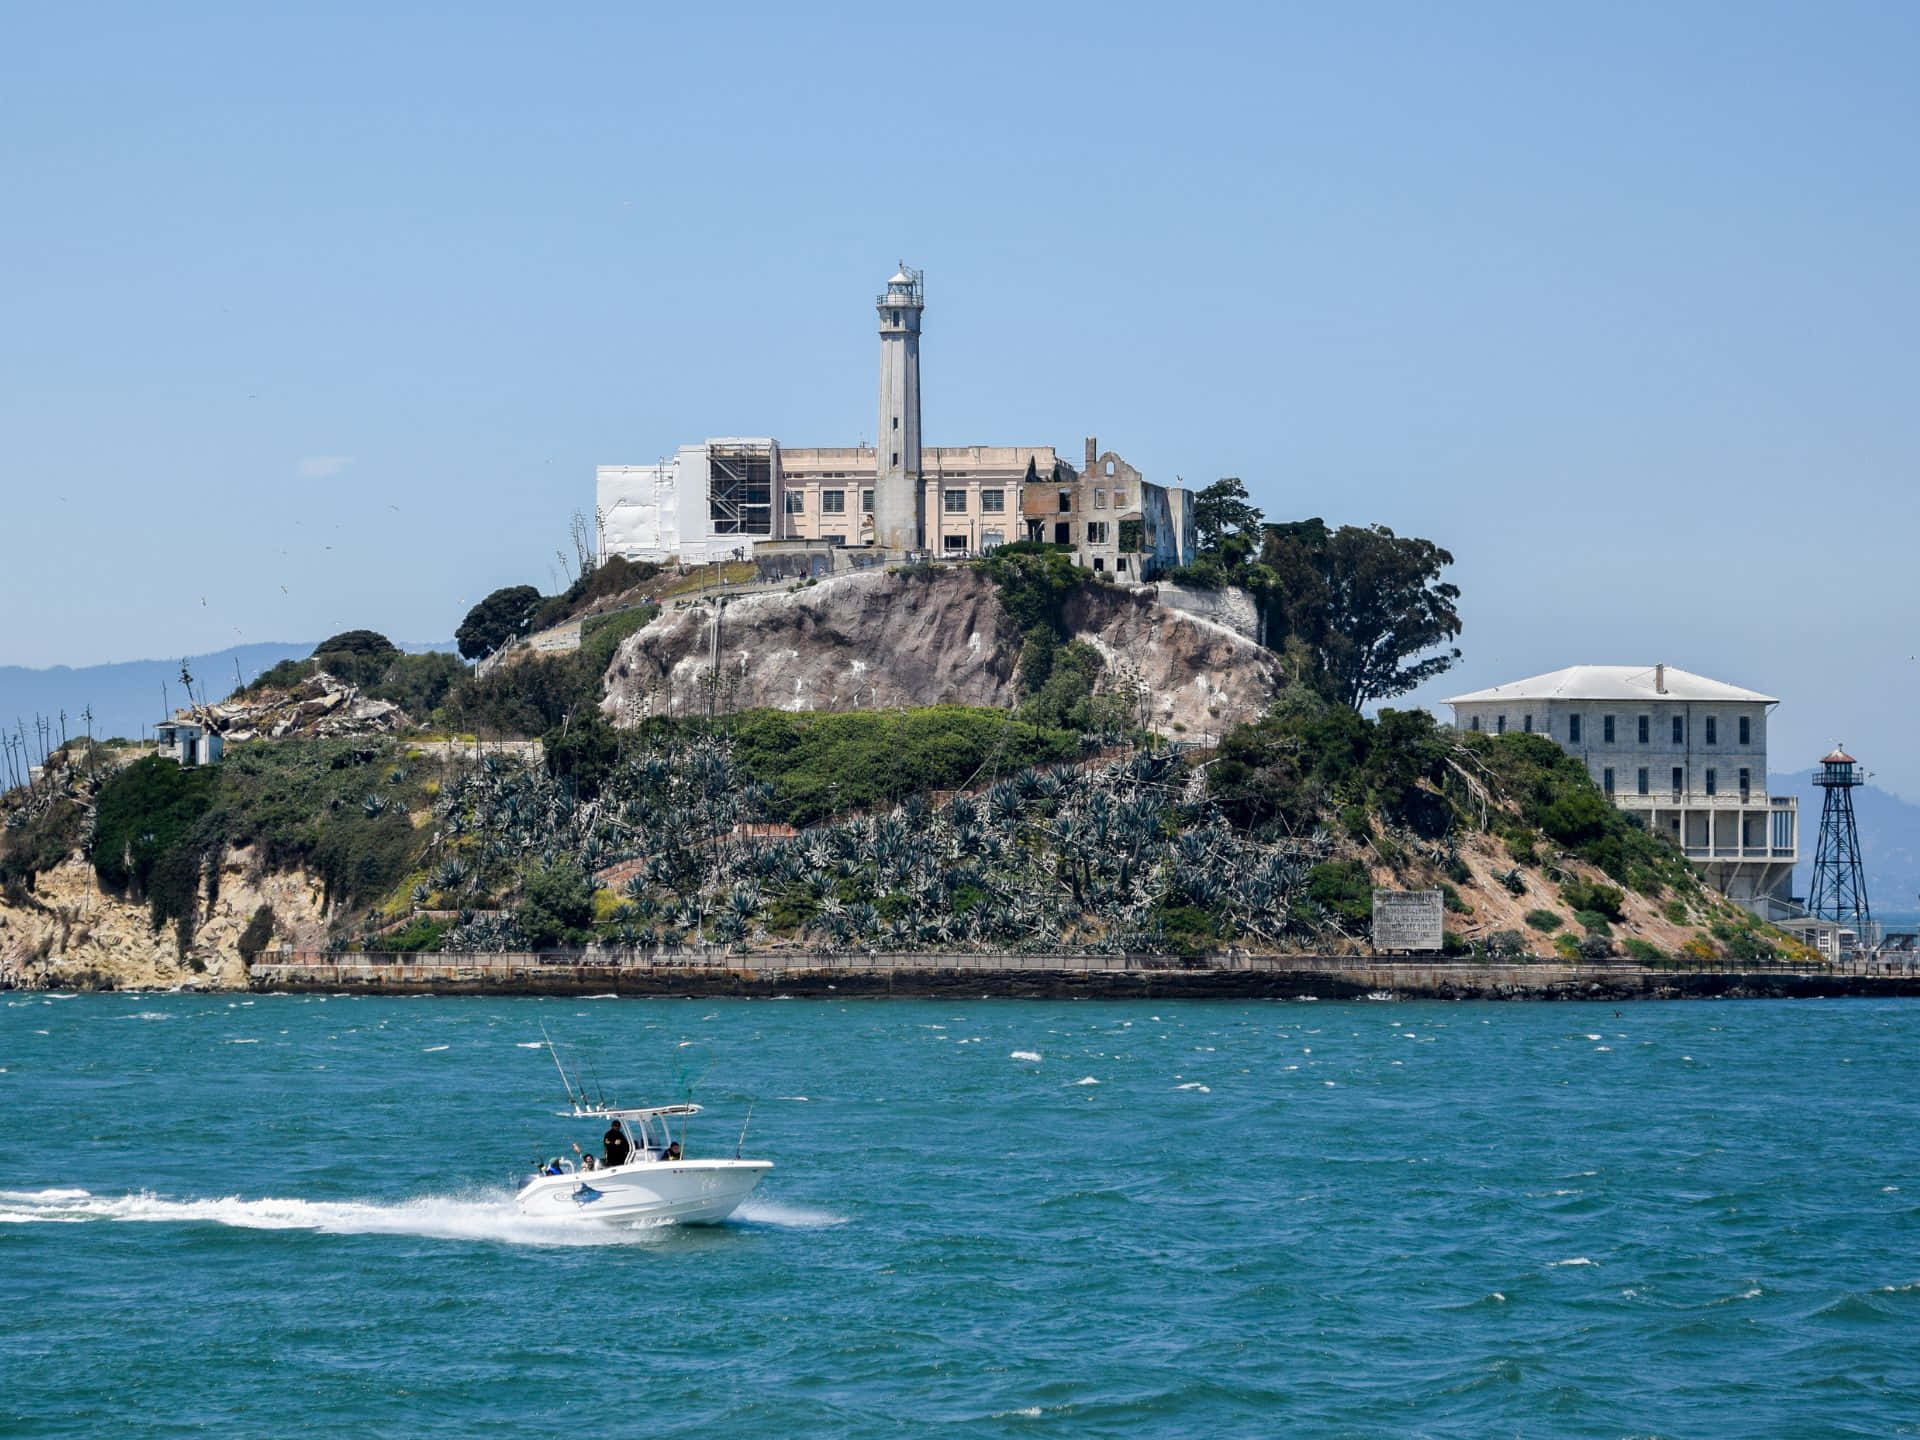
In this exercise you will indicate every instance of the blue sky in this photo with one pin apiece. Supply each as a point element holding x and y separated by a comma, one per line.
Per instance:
<point>1618,303</point>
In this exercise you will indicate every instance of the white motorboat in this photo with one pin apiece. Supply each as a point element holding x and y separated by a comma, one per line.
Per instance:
<point>651,1177</point>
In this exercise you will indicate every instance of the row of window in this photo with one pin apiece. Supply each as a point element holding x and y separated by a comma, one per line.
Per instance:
<point>1575,728</point>
<point>954,502</point>
<point>1678,783</point>
<point>1099,499</point>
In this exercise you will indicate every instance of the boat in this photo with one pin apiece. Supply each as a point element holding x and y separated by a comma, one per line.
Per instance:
<point>643,1173</point>
<point>653,1179</point>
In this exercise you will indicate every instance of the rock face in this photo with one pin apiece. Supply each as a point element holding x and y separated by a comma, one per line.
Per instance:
<point>923,637</point>
<point>71,934</point>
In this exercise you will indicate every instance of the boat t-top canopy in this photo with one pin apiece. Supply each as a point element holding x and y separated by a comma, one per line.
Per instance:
<point>614,1112</point>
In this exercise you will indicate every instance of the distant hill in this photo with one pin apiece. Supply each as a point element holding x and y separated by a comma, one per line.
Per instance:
<point>127,697</point>
<point>1889,840</point>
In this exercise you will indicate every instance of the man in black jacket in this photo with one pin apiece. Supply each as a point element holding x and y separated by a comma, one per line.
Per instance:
<point>615,1141</point>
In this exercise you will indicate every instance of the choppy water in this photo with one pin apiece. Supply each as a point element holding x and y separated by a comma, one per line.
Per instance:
<point>290,1216</point>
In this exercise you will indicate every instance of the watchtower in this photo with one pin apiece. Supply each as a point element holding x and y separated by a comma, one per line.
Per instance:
<point>899,506</point>
<point>1839,883</point>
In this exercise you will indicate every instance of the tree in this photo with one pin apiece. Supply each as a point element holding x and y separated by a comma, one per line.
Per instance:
<point>359,657</point>
<point>583,750</point>
<point>1365,602</point>
<point>1222,511</point>
<point>556,907</point>
<point>502,616</point>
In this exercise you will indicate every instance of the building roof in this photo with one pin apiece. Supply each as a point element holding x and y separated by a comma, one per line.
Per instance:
<point>1838,757</point>
<point>1615,682</point>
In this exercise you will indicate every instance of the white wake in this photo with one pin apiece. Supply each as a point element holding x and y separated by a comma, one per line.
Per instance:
<point>489,1218</point>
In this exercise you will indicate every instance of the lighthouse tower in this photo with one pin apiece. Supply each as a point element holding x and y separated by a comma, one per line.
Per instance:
<point>899,504</point>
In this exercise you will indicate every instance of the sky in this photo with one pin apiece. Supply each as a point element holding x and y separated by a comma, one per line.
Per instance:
<point>319,319</point>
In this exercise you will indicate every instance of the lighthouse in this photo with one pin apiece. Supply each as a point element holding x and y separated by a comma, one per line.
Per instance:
<point>899,503</point>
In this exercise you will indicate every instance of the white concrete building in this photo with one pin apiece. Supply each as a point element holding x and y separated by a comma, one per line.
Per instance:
<point>1686,754</point>
<point>189,742</point>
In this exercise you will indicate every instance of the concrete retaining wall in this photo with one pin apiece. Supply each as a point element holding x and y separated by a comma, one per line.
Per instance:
<point>1256,976</point>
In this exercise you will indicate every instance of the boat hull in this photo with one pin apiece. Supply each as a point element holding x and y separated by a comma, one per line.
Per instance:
<point>686,1192</point>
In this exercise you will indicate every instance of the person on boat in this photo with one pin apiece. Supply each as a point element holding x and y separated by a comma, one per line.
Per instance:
<point>673,1151</point>
<point>615,1141</point>
<point>553,1166</point>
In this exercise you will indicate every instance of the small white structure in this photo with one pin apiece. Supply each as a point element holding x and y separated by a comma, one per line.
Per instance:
<point>189,742</point>
<point>1685,753</point>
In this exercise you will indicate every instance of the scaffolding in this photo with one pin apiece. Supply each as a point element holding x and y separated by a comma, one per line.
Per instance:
<point>740,489</point>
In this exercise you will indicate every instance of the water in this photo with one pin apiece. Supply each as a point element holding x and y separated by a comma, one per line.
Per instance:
<point>290,1215</point>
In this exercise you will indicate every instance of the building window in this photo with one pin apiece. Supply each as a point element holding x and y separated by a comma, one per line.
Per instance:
<point>993,502</point>
<point>1746,783</point>
<point>1679,730</point>
<point>1645,725</point>
<point>1713,729</point>
<point>1746,729</point>
<point>1499,724</point>
<point>1098,563</point>
<point>833,502</point>
<point>992,539</point>
<point>1121,565</point>
<point>1713,782</point>
<point>796,502</point>
<point>896,317</point>
<point>1573,731</point>
<point>1096,532</point>
<point>896,457</point>
<point>1640,780</point>
<point>1606,728</point>
<point>1475,723</point>
<point>955,543</point>
<point>954,502</point>
<point>1063,533</point>
<point>896,422</point>
<point>1679,781</point>
<point>1066,501</point>
<point>1528,722</point>
<point>866,502</point>
<point>1099,499</point>
<point>1606,780</point>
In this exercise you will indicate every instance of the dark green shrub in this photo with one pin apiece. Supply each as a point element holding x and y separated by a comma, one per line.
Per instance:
<point>1642,951</point>
<point>1506,944</point>
<point>1342,888</point>
<point>583,751</point>
<point>1544,921</point>
<point>819,764</point>
<point>1457,870</point>
<point>359,657</point>
<point>144,813</point>
<point>42,843</point>
<point>1451,898</point>
<point>1514,882</point>
<point>1452,943</point>
<point>1676,912</point>
<point>1593,895</point>
<point>1596,947</point>
<point>556,908</point>
<point>1593,922</point>
<point>1566,945</point>
<point>421,933</point>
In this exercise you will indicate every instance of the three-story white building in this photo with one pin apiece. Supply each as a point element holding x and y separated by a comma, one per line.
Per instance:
<point>1685,753</point>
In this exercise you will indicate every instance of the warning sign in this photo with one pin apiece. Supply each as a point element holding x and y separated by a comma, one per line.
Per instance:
<point>1407,919</point>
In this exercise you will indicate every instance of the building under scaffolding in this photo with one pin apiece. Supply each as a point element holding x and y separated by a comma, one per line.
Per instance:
<point>710,501</point>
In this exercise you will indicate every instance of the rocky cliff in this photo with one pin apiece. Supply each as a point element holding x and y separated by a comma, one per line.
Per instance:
<point>69,933</point>
<point>915,637</point>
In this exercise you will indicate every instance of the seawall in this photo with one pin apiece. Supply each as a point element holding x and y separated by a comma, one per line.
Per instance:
<point>1047,977</point>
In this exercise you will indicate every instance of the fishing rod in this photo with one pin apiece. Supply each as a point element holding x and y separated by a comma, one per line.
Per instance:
<point>565,1083</point>
<point>741,1143</point>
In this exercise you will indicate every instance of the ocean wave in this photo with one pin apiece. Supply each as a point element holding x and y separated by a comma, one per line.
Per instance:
<point>786,1217</point>
<point>1032,1056</point>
